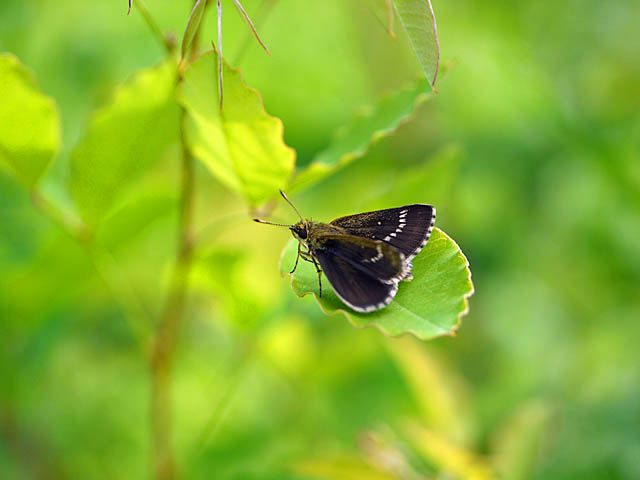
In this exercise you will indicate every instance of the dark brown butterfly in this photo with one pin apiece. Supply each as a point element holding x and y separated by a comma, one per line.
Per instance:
<point>364,256</point>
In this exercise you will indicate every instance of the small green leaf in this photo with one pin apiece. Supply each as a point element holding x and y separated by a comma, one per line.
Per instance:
<point>29,123</point>
<point>429,306</point>
<point>354,140</point>
<point>192,26</point>
<point>419,22</point>
<point>124,139</point>
<point>241,144</point>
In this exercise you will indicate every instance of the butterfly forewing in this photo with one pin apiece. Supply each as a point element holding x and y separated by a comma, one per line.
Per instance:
<point>407,228</point>
<point>372,257</point>
<point>358,290</point>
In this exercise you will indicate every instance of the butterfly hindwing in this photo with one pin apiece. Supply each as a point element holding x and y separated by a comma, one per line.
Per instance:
<point>375,258</point>
<point>407,228</point>
<point>357,289</point>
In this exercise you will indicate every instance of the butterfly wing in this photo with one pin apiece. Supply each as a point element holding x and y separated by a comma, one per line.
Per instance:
<point>407,228</point>
<point>375,258</point>
<point>357,289</point>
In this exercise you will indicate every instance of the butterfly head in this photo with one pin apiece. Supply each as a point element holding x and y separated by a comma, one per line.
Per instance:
<point>299,230</point>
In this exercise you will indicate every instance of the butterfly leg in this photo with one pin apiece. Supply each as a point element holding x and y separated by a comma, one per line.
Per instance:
<point>319,274</point>
<point>297,258</point>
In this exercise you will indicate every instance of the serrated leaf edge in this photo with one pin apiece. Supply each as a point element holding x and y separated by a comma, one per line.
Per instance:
<point>278,120</point>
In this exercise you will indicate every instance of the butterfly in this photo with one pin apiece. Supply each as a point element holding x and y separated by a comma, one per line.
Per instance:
<point>364,256</point>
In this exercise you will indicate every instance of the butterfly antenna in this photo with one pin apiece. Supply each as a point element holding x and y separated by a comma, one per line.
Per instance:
<point>269,223</point>
<point>292,206</point>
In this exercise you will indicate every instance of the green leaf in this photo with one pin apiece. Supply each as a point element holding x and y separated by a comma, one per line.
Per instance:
<point>192,26</point>
<point>429,306</point>
<point>242,146</point>
<point>354,140</point>
<point>419,22</point>
<point>124,140</point>
<point>29,123</point>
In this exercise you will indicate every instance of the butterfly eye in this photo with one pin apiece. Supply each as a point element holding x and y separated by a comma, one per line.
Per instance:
<point>302,232</point>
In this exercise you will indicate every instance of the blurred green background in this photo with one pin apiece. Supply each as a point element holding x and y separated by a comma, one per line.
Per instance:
<point>530,152</point>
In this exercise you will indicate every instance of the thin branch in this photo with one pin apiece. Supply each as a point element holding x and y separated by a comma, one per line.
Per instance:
<point>253,29</point>
<point>220,81</point>
<point>164,465</point>
<point>266,7</point>
<point>169,326</point>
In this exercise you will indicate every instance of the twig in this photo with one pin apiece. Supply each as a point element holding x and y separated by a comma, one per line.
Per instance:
<point>164,465</point>
<point>220,74</point>
<point>266,7</point>
<point>253,29</point>
<point>170,321</point>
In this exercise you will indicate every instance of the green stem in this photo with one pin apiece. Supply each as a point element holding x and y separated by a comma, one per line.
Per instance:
<point>169,326</point>
<point>163,458</point>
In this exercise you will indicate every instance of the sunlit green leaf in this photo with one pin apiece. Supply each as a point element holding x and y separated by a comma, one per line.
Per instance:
<point>354,140</point>
<point>192,26</point>
<point>241,144</point>
<point>29,123</point>
<point>419,22</point>
<point>429,306</point>
<point>124,139</point>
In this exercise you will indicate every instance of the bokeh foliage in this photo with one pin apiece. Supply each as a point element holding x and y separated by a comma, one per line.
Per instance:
<point>530,153</point>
